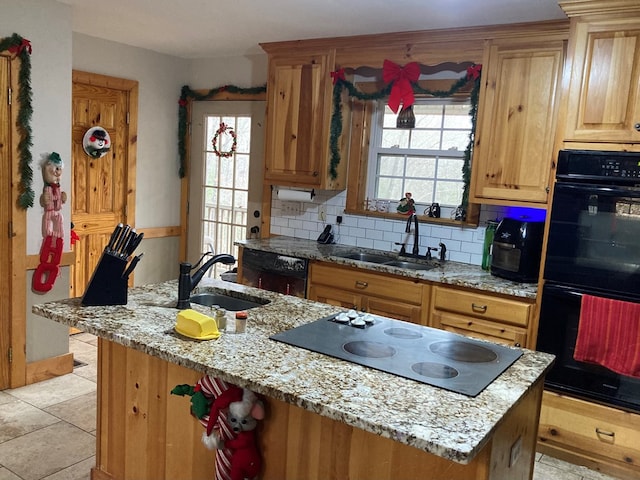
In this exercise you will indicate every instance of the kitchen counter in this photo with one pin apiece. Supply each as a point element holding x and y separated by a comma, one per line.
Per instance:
<point>448,425</point>
<point>451,273</point>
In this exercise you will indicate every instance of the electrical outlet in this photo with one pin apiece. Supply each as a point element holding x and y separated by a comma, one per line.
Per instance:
<point>322,213</point>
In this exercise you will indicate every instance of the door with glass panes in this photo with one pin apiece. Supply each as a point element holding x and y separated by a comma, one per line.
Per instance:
<point>225,177</point>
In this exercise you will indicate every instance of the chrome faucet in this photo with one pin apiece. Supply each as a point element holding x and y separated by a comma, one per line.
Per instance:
<point>413,217</point>
<point>186,282</point>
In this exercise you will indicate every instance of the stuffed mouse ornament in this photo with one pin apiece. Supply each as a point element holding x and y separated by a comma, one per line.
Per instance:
<point>244,411</point>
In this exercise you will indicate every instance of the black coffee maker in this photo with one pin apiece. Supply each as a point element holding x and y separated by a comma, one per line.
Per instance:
<point>517,249</point>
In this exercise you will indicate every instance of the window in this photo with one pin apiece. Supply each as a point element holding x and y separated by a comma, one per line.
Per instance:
<point>426,160</point>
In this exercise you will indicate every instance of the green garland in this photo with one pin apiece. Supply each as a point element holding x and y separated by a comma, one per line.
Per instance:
<point>21,48</point>
<point>473,74</point>
<point>187,94</point>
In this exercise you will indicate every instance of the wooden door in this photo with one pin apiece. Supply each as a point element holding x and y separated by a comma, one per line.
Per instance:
<point>5,218</point>
<point>103,189</point>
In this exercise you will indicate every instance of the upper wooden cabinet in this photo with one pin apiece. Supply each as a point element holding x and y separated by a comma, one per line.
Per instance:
<point>604,90</point>
<point>516,125</point>
<point>299,102</point>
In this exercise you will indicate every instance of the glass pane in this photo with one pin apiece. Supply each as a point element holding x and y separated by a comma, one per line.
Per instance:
<point>398,138</point>
<point>450,168</point>
<point>240,199</point>
<point>212,124</point>
<point>425,139</point>
<point>389,189</point>
<point>226,171</point>
<point>389,118</point>
<point>391,166</point>
<point>421,190</point>
<point>211,170</point>
<point>449,194</point>
<point>421,167</point>
<point>226,197</point>
<point>457,116</point>
<point>243,132</point>
<point>455,140</point>
<point>428,116</point>
<point>242,171</point>
<point>210,203</point>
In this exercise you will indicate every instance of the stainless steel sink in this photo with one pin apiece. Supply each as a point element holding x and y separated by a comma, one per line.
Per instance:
<point>410,265</point>
<point>365,257</point>
<point>227,302</point>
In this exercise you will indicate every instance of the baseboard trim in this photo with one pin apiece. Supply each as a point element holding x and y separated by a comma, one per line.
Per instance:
<point>49,368</point>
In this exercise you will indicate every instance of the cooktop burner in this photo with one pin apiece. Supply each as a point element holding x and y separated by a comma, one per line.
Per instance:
<point>423,354</point>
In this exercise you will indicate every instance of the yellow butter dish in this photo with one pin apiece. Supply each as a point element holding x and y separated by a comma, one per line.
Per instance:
<point>196,325</point>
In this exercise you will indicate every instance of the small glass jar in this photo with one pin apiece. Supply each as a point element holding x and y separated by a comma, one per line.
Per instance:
<point>241,322</point>
<point>220,317</point>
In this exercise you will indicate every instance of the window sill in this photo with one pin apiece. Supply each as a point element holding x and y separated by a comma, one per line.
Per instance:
<point>421,218</point>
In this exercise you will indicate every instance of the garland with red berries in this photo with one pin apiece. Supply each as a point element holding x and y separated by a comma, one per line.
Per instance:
<point>21,48</point>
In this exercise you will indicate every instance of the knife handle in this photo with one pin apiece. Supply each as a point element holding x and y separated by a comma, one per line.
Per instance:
<point>121,239</point>
<point>114,237</point>
<point>134,243</point>
<point>124,250</point>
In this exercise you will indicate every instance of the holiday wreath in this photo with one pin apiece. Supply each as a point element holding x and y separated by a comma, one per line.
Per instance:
<point>224,128</point>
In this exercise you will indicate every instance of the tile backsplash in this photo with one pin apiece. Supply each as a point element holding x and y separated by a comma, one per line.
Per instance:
<point>304,220</point>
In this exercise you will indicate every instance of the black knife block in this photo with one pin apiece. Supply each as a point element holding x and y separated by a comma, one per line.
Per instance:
<point>107,287</point>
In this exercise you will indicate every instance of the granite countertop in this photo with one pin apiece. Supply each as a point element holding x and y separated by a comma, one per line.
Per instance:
<point>450,273</point>
<point>443,423</point>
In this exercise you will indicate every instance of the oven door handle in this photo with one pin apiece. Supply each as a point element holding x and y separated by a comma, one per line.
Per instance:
<point>612,190</point>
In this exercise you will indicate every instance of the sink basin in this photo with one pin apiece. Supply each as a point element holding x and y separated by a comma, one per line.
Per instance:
<point>227,302</point>
<point>365,257</point>
<point>410,265</point>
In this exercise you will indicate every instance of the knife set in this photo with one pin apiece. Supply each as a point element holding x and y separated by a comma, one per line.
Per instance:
<point>108,285</point>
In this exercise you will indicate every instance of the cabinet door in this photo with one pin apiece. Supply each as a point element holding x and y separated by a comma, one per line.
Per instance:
<point>298,102</point>
<point>604,92</point>
<point>516,123</point>
<point>334,296</point>
<point>392,309</point>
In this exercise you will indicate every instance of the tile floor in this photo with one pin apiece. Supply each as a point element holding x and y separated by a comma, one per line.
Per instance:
<point>47,430</point>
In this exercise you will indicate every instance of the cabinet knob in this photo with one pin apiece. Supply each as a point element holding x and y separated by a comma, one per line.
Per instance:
<point>637,127</point>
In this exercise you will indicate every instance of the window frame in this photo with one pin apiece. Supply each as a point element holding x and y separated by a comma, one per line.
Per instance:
<point>361,114</point>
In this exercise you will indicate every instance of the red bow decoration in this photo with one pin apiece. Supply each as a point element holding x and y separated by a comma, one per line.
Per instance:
<point>24,44</point>
<point>402,78</point>
<point>473,72</point>
<point>182,102</point>
<point>338,75</point>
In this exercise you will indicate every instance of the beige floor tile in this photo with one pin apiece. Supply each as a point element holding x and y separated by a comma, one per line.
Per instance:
<point>544,471</point>
<point>18,418</point>
<point>79,411</point>
<point>79,471</point>
<point>5,398</point>
<point>580,470</point>
<point>46,451</point>
<point>89,372</point>
<point>7,475</point>
<point>55,390</point>
<point>85,337</point>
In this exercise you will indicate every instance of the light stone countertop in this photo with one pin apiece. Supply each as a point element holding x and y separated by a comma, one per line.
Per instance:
<point>450,273</point>
<point>443,423</point>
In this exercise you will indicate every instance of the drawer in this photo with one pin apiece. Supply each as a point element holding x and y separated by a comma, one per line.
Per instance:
<point>482,306</point>
<point>479,328</point>
<point>365,283</point>
<point>587,427</point>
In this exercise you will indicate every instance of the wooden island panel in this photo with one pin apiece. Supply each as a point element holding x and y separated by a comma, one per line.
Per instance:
<point>144,432</point>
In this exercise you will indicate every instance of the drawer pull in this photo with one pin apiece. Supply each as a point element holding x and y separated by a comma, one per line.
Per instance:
<point>360,284</point>
<point>478,308</point>
<point>605,433</point>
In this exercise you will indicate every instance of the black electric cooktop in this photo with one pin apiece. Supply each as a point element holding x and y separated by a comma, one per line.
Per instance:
<point>427,355</point>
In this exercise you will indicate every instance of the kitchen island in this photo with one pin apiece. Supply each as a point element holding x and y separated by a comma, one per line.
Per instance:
<point>326,418</point>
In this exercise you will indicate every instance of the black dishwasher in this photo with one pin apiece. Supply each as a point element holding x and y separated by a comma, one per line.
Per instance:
<point>275,272</point>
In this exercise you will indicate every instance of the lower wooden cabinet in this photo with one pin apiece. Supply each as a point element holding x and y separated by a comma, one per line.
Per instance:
<point>600,437</point>
<point>479,315</point>
<point>377,293</point>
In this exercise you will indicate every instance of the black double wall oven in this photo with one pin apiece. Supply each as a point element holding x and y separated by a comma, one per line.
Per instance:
<point>593,249</point>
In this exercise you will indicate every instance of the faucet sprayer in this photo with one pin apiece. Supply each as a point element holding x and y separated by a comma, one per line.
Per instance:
<point>186,282</point>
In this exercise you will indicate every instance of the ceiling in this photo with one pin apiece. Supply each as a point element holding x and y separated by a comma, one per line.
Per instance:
<point>216,28</point>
